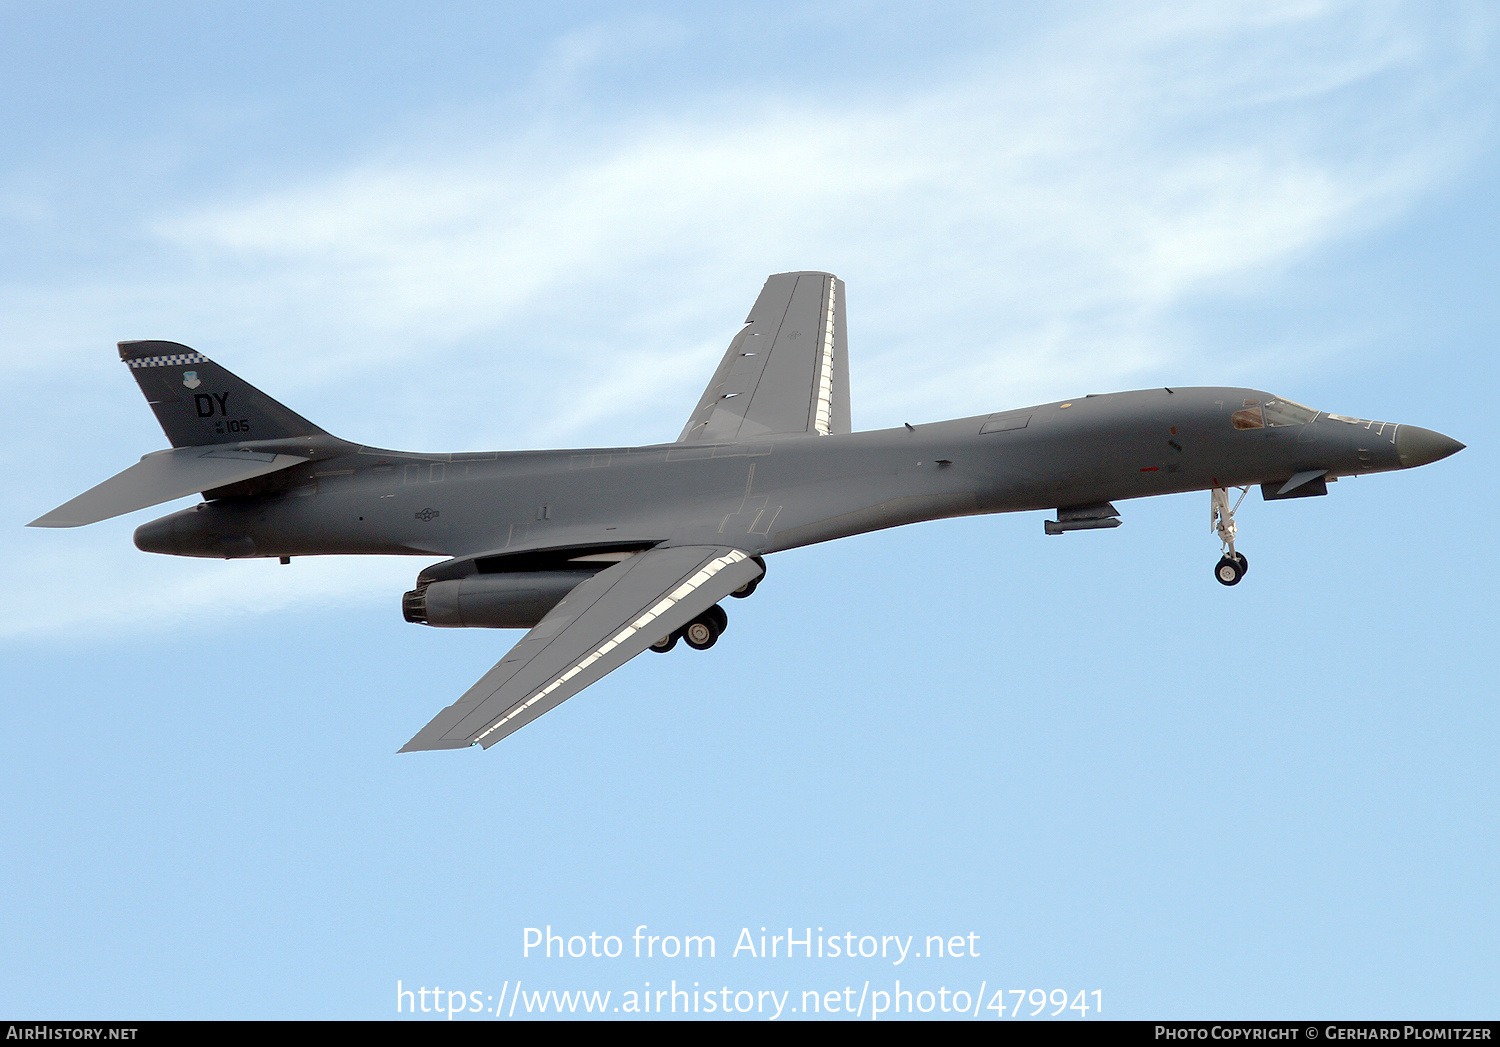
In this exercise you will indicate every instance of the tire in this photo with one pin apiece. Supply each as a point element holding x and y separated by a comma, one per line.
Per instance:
<point>665,644</point>
<point>1244,563</point>
<point>754,583</point>
<point>699,634</point>
<point>1229,572</point>
<point>717,617</point>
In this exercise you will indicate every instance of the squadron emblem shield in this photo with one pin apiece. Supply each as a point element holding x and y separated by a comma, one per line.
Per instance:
<point>190,379</point>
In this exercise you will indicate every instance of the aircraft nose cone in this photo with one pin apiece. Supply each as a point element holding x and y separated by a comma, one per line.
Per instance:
<point>1417,446</point>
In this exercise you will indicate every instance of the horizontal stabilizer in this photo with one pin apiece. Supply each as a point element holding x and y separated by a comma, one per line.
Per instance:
<point>162,477</point>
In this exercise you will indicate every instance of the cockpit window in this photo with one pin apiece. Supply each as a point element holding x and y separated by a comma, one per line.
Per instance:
<point>1255,415</point>
<point>1249,418</point>
<point>1285,412</point>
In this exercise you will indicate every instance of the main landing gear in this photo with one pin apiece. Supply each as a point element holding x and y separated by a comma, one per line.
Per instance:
<point>746,589</point>
<point>1232,567</point>
<point>704,631</point>
<point>700,634</point>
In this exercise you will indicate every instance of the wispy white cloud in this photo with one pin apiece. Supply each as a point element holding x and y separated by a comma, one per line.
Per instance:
<point>102,585</point>
<point>1044,212</point>
<point>1034,222</point>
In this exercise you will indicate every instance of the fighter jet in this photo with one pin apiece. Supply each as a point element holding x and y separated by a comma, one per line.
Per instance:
<point>602,553</point>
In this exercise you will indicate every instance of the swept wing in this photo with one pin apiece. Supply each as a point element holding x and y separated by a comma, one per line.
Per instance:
<point>597,628</point>
<point>787,372</point>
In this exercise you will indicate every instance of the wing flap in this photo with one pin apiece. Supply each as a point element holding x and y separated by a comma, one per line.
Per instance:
<point>598,627</point>
<point>163,477</point>
<point>787,372</point>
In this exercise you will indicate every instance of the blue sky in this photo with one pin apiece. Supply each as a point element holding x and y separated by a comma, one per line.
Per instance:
<point>476,227</point>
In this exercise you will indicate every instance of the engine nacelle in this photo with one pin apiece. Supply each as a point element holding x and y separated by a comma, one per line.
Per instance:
<point>514,600</point>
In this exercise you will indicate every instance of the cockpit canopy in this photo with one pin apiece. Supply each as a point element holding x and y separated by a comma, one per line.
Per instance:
<point>1257,415</point>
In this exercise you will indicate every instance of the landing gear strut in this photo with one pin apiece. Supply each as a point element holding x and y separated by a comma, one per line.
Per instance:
<point>1232,567</point>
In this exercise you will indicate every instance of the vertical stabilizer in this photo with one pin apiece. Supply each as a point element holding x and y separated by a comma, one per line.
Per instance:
<point>199,403</point>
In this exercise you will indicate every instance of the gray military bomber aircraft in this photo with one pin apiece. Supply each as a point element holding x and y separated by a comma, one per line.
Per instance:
<point>604,552</point>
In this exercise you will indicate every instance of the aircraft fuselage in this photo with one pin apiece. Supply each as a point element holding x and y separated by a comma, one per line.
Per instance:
<point>781,493</point>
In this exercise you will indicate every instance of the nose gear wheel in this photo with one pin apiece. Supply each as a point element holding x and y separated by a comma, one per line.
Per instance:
<point>1230,570</point>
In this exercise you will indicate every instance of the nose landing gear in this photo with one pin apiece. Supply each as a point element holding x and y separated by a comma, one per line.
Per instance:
<point>1232,567</point>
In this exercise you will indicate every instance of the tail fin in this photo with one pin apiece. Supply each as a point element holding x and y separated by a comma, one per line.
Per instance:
<point>199,403</point>
<point>205,412</point>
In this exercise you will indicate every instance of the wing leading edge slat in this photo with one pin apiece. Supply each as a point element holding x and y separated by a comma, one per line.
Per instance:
<point>787,372</point>
<point>599,626</point>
